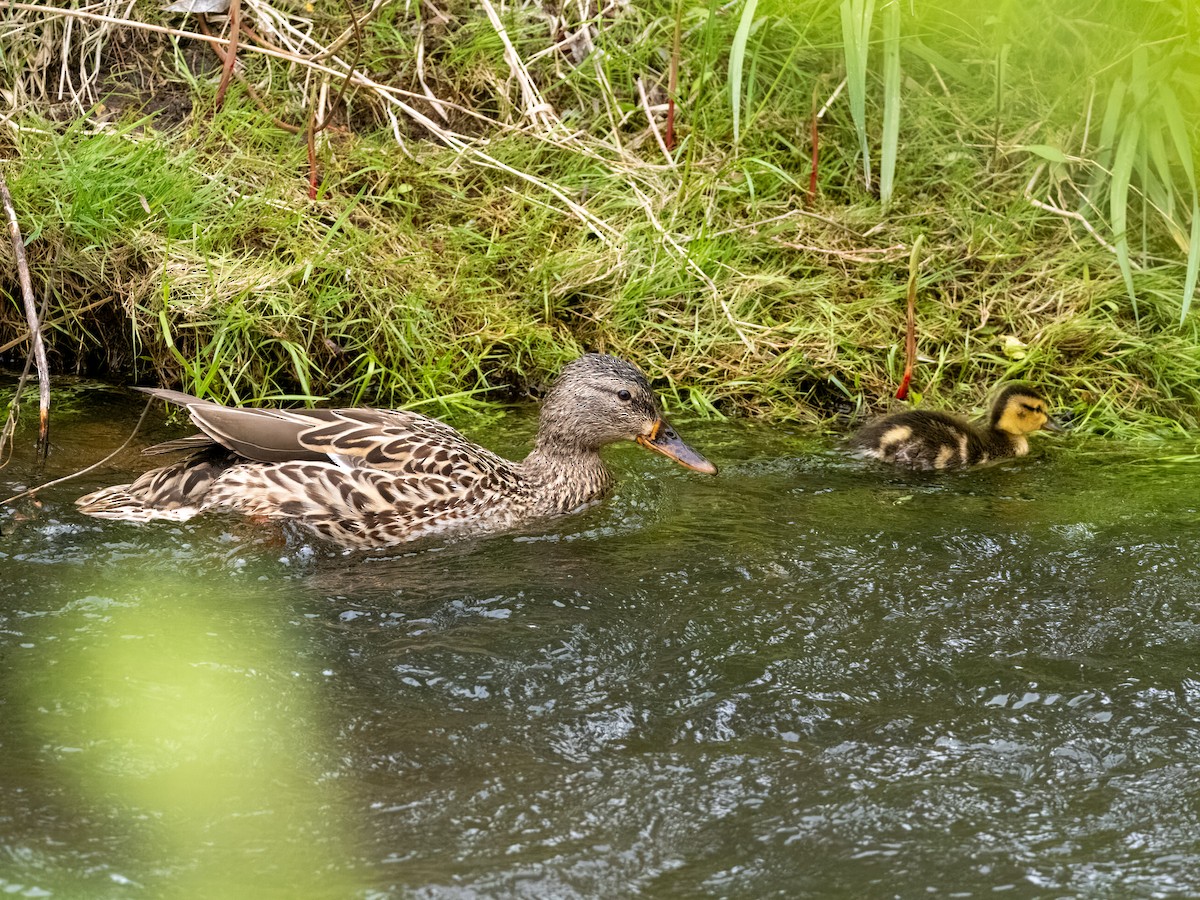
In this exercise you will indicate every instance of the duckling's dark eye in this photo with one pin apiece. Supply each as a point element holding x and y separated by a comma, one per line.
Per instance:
<point>624,395</point>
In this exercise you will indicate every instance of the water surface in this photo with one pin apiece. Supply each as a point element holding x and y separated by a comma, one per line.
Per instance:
<point>810,675</point>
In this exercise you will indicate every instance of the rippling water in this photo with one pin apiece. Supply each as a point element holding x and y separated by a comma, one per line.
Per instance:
<point>809,675</point>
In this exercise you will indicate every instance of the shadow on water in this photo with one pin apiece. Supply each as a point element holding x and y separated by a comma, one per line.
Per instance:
<point>808,675</point>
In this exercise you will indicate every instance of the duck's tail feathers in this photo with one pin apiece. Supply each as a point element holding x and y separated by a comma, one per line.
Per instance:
<point>117,503</point>
<point>172,493</point>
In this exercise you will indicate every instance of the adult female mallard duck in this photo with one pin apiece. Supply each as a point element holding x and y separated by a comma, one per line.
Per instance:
<point>926,439</point>
<point>372,477</point>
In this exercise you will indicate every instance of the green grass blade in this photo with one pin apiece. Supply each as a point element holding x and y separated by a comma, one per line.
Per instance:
<point>1001,76</point>
<point>1160,184</point>
<point>1149,187</point>
<point>1118,197</point>
<point>1177,126</point>
<point>1179,131</point>
<point>300,365</point>
<point>943,64</point>
<point>891,101</point>
<point>1112,115</point>
<point>1107,139</point>
<point>1193,265</point>
<point>1045,151</point>
<point>737,62</point>
<point>856,32</point>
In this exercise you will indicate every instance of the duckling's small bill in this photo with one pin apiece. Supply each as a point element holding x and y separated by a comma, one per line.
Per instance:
<point>665,440</point>
<point>1054,426</point>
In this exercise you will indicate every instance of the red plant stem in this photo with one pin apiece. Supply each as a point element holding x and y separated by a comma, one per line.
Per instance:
<point>235,22</point>
<point>253,94</point>
<point>910,331</point>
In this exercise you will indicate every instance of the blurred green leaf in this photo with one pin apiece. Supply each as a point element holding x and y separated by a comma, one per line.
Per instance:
<point>737,60</point>
<point>1122,172</point>
<point>1045,151</point>
<point>856,36</point>
<point>891,101</point>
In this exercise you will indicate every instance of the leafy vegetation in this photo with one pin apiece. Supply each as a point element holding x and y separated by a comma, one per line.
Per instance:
<point>511,192</point>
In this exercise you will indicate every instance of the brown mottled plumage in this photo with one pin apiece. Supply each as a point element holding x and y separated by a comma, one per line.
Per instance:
<point>927,440</point>
<point>377,477</point>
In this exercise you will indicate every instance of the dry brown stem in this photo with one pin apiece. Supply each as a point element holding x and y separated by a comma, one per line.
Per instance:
<point>38,346</point>
<point>235,21</point>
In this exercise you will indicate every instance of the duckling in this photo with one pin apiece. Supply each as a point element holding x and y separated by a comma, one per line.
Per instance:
<point>927,440</point>
<point>366,478</point>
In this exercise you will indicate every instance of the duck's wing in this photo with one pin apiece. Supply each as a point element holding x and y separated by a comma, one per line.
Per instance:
<point>390,440</point>
<point>400,442</point>
<point>262,435</point>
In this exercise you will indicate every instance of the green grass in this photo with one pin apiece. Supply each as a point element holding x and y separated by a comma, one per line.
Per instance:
<point>188,252</point>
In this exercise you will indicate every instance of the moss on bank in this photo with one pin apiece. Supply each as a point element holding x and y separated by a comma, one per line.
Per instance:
<point>181,247</point>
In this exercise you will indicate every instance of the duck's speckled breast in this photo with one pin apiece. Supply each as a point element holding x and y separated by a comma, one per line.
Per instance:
<point>560,484</point>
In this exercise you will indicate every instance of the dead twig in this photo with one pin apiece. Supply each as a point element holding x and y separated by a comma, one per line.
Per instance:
<point>649,110</point>
<point>354,31</point>
<point>536,108</point>
<point>38,346</point>
<point>673,76</point>
<point>862,255</point>
<point>351,69</point>
<point>420,69</point>
<point>1065,213</point>
<point>753,227</point>
<point>310,140</point>
<point>75,313</point>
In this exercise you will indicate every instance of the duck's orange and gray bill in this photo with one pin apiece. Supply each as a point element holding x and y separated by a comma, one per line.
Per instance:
<point>664,439</point>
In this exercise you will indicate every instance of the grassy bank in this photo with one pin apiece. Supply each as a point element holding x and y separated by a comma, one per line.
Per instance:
<point>461,250</point>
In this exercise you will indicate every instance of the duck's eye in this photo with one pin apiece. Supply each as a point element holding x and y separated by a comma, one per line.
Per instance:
<point>624,395</point>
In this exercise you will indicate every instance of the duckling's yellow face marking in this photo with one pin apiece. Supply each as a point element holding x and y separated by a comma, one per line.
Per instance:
<point>1023,414</point>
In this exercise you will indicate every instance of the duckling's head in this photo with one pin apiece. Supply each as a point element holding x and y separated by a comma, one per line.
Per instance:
<point>600,400</point>
<point>1020,409</point>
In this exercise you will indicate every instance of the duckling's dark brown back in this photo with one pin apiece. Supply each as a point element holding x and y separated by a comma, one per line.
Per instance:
<point>920,439</point>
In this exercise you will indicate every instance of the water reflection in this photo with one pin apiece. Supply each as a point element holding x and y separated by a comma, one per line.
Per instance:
<point>808,676</point>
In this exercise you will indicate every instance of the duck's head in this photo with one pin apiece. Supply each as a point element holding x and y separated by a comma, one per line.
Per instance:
<point>1020,409</point>
<point>600,400</point>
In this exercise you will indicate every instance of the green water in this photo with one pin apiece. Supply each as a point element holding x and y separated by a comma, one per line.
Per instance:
<point>808,676</point>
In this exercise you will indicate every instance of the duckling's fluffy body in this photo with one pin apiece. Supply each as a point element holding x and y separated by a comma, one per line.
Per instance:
<point>373,477</point>
<point>928,440</point>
